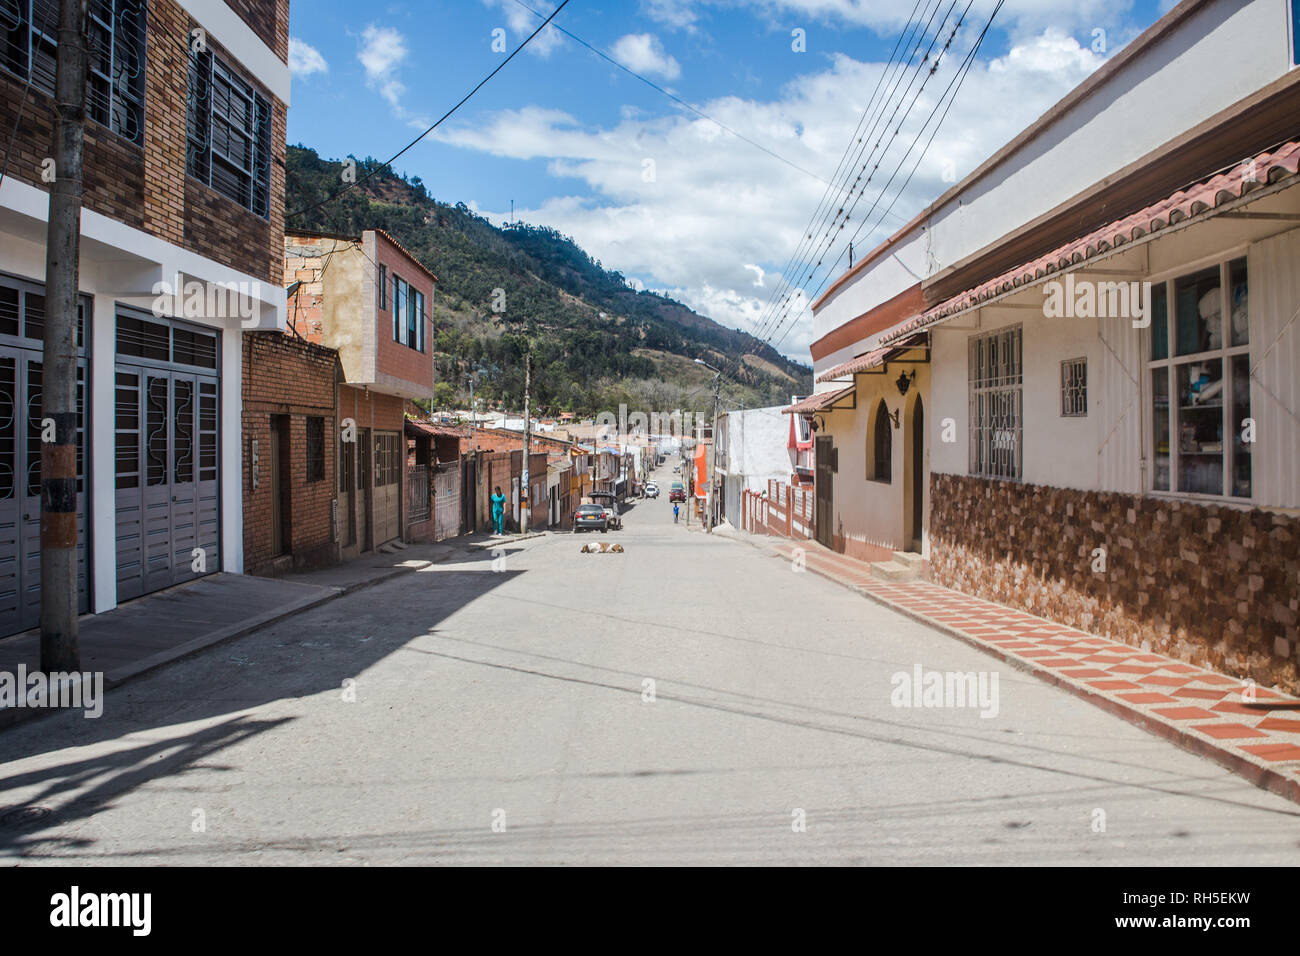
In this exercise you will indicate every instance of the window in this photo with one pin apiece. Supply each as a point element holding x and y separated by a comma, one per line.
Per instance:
<point>401,293</point>
<point>882,446</point>
<point>163,343</point>
<point>229,133</point>
<point>1074,388</point>
<point>1199,369</point>
<point>315,448</point>
<point>995,405</point>
<point>408,315</point>
<point>383,288</point>
<point>115,56</point>
<point>415,321</point>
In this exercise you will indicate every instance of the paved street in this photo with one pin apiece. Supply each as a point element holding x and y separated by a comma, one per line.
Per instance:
<point>510,688</point>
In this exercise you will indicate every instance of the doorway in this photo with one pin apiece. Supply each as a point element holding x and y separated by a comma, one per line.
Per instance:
<point>825,451</point>
<point>916,486</point>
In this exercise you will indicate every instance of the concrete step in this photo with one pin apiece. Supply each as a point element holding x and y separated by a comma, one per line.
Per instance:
<point>911,559</point>
<point>892,571</point>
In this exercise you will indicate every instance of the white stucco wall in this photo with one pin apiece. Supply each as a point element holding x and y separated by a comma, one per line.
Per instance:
<point>756,446</point>
<point>1220,54</point>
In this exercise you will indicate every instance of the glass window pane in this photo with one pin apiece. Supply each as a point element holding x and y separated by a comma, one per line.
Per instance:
<point>1160,428</point>
<point>1197,315</point>
<point>1238,315</point>
<point>1159,321</point>
<point>1200,427</point>
<point>1241,449</point>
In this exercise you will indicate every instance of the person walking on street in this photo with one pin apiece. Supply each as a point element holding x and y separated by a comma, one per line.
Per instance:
<point>498,510</point>
<point>674,512</point>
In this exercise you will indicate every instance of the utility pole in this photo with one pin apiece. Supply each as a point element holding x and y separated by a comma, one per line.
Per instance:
<point>60,650</point>
<point>523,491</point>
<point>473,416</point>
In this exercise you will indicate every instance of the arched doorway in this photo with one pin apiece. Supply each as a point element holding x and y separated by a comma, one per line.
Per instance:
<point>914,512</point>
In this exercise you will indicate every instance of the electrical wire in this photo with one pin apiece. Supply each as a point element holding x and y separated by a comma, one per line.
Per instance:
<point>483,82</point>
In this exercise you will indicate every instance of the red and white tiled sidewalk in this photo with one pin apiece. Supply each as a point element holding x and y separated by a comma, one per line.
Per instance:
<point>1202,711</point>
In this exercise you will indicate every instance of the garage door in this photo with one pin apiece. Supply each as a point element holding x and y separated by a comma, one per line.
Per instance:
<point>22,314</point>
<point>167,419</point>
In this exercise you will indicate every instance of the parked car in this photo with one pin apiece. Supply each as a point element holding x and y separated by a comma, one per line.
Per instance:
<point>607,500</point>
<point>677,492</point>
<point>590,518</point>
<point>652,490</point>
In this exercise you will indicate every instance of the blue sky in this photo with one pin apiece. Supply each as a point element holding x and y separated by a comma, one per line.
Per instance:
<point>668,198</point>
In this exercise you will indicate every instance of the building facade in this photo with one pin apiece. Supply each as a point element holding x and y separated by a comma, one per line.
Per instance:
<point>180,259</point>
<point>1104,412</point>
<point>371,301</point>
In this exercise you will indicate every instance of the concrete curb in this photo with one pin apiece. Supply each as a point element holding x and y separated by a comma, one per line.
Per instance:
<point>1255,770</point>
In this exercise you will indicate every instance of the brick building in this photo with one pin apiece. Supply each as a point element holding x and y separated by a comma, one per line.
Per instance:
<point>290,431</point>
<point>372,301</point>
<point>180,258</point>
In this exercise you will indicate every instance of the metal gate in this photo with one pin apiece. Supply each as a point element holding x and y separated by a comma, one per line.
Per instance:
<point>388,487</point>
<point>446,501</point>
<point>20,490</point>
<point>22,329</point>
<point>825,452</point>
<point>167,419</point>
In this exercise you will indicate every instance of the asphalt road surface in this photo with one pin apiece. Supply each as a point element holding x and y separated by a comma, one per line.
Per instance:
<point>690,700</point>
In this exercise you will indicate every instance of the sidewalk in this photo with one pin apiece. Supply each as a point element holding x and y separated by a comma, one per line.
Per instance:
<point>1250,730</point>
<point>159,628</point>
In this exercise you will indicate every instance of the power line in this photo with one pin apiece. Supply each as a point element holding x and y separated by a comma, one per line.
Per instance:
<point>775,309</point>
<point>677,99</point>
<point>483,82</point>
<point>828,239</point>
<point>958,81</point>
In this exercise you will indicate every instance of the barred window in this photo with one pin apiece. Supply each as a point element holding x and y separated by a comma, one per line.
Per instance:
<point>29,32</point>
<point>1074,388</point>
<point>315,448</point>
<point>229,133</point>
<point>996,380</point>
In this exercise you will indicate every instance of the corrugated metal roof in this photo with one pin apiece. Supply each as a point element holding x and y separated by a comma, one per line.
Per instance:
<point>1261,170</point>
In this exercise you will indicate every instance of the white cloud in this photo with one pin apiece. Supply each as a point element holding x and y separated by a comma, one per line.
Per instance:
<point>759,272</point>
<point>382,51</point>
<point>677,14</point>
<point>305,59</point>
<point>522,23</point>
<point>717,209</point>
<point>643,53</point>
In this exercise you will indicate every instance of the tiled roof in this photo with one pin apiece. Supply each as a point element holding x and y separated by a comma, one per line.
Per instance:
<point>815,403</point>
<point>859,364</point>
<point>437,430</point>
<point>1264,169</point>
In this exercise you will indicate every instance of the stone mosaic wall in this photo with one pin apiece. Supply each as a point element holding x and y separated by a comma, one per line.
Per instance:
<point>1213,585</point>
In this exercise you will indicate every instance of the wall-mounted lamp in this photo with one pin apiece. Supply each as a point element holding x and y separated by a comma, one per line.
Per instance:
<point>904,382</point>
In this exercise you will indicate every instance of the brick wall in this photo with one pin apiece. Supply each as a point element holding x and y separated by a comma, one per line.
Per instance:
<point>372,409</point>
<point>1213,585</point>
<point>267,18</point>
<point>282,376</point>
<point>146,186</point>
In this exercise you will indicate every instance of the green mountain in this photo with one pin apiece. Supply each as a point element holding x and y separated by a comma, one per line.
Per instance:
<point>595,341</point>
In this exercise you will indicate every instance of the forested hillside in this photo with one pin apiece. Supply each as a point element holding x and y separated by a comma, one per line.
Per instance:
<point>595,341</point>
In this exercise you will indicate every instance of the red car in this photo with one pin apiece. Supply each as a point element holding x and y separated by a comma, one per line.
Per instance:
<point>677,492</point>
